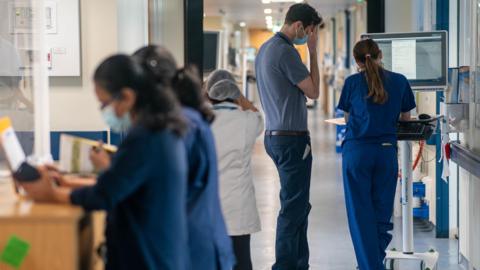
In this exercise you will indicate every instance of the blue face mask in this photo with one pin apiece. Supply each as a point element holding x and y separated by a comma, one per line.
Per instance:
<point>117,124</point>
<point>300,41</point>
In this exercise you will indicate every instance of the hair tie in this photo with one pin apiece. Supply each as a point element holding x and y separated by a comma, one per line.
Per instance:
<point>368,55</point>
<point>153,63</point>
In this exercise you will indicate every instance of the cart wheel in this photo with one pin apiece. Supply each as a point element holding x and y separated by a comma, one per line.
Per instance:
<point>392,265</point>
<point>422,266</point>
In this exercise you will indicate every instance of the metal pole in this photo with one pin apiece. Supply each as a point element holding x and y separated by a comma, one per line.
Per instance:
<point>40,86</point>
<point>407,195</point>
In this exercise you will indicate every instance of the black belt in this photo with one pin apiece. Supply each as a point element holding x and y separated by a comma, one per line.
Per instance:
<point>286,133</point>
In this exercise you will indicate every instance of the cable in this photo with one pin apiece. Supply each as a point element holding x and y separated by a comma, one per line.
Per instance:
<point>419,155</point>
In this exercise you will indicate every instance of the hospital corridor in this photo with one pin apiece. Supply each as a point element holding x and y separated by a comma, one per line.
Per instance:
<point>328,228</point>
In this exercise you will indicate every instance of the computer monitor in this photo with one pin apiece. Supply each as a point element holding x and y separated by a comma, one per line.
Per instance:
<point>211,51</point>
<point>421,57</point>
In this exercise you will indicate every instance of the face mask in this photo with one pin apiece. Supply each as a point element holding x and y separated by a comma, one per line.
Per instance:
<point>117,124</point>
<point>300,41</point>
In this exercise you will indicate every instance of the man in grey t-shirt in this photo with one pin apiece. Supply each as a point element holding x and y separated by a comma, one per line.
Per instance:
<point>283,84</point>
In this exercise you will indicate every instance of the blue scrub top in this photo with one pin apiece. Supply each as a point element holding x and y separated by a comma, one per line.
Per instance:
<point>370,122</point>
<point>209,243</point>
<point>279,69</point>
<point>144,193</point>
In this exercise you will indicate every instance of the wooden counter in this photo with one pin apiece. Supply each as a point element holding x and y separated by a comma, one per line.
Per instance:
<point>60,236</point>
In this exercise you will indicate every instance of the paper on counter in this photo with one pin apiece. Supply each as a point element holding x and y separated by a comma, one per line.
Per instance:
<point>336,121</point>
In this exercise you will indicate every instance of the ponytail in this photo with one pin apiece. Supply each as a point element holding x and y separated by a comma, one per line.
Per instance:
<point>367,53</point>
<point>374,81</point>
<point>188,88</point>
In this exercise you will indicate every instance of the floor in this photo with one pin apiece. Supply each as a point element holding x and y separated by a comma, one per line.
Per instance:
<point>330,243</point>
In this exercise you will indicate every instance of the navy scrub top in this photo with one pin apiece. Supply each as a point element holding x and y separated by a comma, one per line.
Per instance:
<point>371,122</point>
<point>209,243</point>
<point>144,193</point>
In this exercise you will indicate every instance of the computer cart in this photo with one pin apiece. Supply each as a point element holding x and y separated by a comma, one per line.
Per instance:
<point>408,131</point>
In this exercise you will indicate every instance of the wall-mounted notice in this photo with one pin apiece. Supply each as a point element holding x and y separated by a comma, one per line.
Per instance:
<point>404,60</point>
<point>62,28</point>
<point>20,14</point>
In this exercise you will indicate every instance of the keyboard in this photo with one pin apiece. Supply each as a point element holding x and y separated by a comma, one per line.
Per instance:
<point>415,130</point>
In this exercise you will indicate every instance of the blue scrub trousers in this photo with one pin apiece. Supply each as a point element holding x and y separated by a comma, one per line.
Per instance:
<point>293,160</point>
<point>370,172</point>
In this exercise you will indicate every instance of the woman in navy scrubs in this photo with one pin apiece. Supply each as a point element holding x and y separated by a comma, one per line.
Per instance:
<point>373,101</point>
<point>209,244</point>
<point>144,189</point>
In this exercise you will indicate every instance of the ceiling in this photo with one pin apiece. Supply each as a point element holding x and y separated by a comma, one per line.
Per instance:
<point>252,11</point>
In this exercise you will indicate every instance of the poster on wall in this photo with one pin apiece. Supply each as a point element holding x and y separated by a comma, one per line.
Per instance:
<point>62,28</point>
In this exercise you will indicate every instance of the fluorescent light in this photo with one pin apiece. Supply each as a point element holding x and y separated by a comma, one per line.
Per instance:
<point>266,1</point>
<point>268,11</point>
<point>242,24</point>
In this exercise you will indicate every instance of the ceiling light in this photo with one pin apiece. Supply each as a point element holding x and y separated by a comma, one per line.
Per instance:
<point>266,1</point>
<point>268,11</point>
<point>242,24</point>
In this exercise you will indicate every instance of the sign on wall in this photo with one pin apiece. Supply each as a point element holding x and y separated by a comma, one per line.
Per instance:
<point>62,29</point>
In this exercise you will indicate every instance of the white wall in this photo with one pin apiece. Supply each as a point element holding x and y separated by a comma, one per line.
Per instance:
<point>132,25</point>
<point>73,104</point>
<point>469,184</point>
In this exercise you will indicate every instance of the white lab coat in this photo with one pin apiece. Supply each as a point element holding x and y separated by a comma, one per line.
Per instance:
<point>235,134</point>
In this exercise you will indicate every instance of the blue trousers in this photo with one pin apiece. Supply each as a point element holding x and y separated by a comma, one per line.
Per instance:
<point>370,172</point>
<point>293,159</point>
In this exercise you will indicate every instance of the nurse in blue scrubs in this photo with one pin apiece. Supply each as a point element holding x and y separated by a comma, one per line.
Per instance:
<point>144,188</point>
<point>373,101</point>
<point>209,244</point>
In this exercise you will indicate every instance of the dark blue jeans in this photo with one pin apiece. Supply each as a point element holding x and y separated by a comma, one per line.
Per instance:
<point>293,159</point>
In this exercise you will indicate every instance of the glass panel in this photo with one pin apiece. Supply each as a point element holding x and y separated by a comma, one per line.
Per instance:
<point>23,68</point>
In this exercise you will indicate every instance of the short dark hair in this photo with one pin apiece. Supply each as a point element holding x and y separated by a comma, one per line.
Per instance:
<point>304,13</point>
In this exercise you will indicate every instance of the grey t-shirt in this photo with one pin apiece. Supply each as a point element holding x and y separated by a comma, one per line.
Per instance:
<point>279,69</point>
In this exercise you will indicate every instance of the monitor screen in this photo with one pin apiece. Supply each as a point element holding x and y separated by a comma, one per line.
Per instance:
<point>421,57</point>
<point>210,51</point>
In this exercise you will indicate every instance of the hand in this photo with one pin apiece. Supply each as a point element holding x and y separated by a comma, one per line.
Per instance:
<point>313,40</point>
<point>69,181</point>
<point>100,158</point>
<point>42,190</point>
<point>75,182</point>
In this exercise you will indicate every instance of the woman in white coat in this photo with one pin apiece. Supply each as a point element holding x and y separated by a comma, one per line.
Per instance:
<point>236,128</point>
